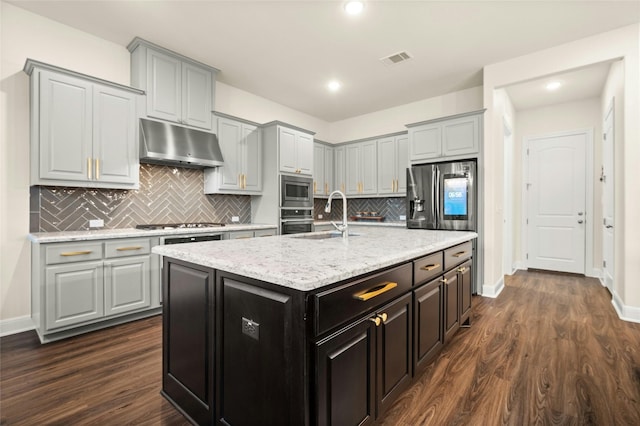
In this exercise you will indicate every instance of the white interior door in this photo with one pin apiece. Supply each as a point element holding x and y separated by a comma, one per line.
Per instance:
<point>556,191</point>
<point>608,198</point>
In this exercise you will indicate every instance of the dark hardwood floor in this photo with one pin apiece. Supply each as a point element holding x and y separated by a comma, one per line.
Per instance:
<point>550,350</point>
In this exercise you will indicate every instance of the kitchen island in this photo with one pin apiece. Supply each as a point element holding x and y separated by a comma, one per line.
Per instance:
<point>308,328</point>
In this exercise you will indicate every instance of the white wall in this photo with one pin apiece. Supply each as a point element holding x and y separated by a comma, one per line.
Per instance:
<point>621,43</point>
<point>584,114</point>
<point>394,119</point>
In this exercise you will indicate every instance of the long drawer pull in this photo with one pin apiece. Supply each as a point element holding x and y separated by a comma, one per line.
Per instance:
<point>129,248</point>
<point>76,253</point>
<point>459,254</point>
<point>375,291</point>
<point>242,238</point>
<point>430,267</point>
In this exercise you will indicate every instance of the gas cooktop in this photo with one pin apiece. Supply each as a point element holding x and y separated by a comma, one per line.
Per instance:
<point>189,225</point>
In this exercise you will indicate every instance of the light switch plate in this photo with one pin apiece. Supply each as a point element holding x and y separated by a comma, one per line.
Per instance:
<point>96,223</point>
<point>403,217</point>
<point>319,216</point>
<point>235,219</point>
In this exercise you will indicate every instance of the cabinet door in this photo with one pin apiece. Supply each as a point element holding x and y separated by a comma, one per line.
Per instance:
<point>164,87</point>
<point>196,96</point>
<point>65,143</point>
<point>252,157</point>
<point>328,170</point>
<point>394,352</point>
<point>387,153</point>
<point>345,372</point>
<point>402,158</point>
<point>352,169</point>
<point>460,136</point>
<point>318,169</point>
<point>369,168</point>
<point>74,293</point>
<point>425,142</point>
<point>229,138</point>
<point>451,304</point>
<point>255,364</point>
<point>304,153</point>
<point>115,148</point>
<point>465,275</point>
<point>287,147</point>
<point>428,329</point>
<point>339,169</point>
<point>127,284</point>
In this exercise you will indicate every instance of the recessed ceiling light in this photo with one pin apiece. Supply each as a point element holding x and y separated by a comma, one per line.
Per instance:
<point>553,85</point>
<point>354,7</point>
<point>334,85</point>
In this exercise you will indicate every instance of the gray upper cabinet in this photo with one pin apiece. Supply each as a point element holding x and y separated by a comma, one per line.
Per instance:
<point>240,143</point>
<point>339,168</point>
<point>295,151</point>
<point>361,168</point>
<point>178,89</point>
<point>393,160</point>
<point>322,170</point>
<point>83,130</point>
<point>456,136</point>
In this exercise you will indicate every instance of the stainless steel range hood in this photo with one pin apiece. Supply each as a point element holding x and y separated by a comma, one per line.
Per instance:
<point>168,144</point>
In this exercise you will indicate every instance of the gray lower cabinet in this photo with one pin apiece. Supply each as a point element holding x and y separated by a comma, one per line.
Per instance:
<point>83,286</point>
<point>83,130</point>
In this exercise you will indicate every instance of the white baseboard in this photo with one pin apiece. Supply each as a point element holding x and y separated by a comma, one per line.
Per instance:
<point>493,290</point>
<point>625,312</point>
<point>519,266</point>
<point>594,273</point>
<point>15,325</point>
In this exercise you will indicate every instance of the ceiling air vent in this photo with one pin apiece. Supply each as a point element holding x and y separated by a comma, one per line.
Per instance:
<point>396,58</point>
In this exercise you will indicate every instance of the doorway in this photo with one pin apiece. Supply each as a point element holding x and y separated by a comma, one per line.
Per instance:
<point>557,199</point>
<point>507,232</point>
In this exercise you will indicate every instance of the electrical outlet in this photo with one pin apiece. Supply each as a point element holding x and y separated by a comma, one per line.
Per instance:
<point>403,217</point>
<point>235,219</point>
<point>96,223</point>
<point>319,216</point>
<point>251,328</point>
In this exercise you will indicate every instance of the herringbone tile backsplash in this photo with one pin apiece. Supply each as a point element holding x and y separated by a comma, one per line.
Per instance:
<point>166,195</point>
<point>390,208</point>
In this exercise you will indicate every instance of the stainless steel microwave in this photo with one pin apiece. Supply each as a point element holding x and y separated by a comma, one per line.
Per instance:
<point>296,191</point>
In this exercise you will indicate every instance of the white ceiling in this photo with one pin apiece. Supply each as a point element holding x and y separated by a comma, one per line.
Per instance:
<point>577,84</point>
<point>287,51</point>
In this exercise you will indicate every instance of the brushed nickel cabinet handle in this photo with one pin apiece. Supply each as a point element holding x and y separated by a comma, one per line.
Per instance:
<point>76,253</point>
<point>375,291</point>
<point>459,254</point>
<point>430,267</point>
<point>129,248</point>
<point>89,168</point>
<point>97,169</point>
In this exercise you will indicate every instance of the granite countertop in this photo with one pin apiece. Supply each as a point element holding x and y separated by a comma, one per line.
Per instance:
<point>398,224</point>
<point>100,234</point>
<point>308,264</point>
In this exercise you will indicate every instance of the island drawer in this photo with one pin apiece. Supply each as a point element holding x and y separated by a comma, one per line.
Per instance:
<point>456,255</point>
<point>73,252</point>
<point>427,267</point>
<point>338,305</point>
<point>122,248</point>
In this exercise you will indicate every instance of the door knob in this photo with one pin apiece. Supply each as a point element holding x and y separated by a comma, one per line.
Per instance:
<point>580,213</point>
<point>580,221</point>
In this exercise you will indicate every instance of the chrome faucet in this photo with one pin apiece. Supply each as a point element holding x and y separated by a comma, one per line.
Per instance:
<point>327,209</point>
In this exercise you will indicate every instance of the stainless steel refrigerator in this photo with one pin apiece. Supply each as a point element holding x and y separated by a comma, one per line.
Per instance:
<point>444,196</point>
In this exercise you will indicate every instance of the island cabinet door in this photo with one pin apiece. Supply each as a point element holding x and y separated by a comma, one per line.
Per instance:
<point>345,376</point>
<point>466,287</point>
<point>188,339</point>
<point>394,341</point>
<point>428,329</point>
<point>451,304</point>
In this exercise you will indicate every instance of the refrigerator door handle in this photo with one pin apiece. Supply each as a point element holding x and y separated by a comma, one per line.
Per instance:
<point>435,202</point>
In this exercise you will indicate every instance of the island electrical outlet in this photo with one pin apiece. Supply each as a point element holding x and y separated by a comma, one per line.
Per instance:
<point>251,328</point>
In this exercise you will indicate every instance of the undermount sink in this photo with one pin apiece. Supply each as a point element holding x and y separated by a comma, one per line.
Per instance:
<point>323,236</point>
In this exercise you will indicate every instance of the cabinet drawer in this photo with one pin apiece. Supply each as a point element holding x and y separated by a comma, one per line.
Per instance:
<point>264,233</point>
<point>456,255</point>
<point>122,248</point>
<point>427,267</point>
<point>75,252</point>
<point>338,305</point>
<point>240,235</point>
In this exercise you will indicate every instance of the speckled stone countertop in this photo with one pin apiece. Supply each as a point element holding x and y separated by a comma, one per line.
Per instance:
<point>100,234</point>
<point>306,264</point>
<point>398,224</point>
